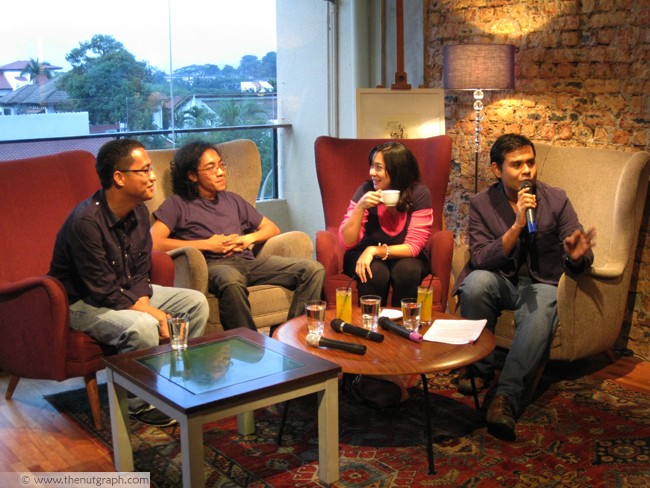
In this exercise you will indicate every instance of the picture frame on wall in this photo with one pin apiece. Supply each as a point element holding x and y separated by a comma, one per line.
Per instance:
<point>400,114</point>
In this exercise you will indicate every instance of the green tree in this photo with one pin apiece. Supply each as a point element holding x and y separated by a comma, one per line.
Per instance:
<point>249,67</point>
<point>268,66</point>
<point>233,113</point>
<point>196,117</point>
<point>34,69</point>
<point>108,83</point>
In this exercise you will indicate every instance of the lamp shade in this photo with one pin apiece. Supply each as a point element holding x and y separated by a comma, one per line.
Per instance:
<point>479,67</point>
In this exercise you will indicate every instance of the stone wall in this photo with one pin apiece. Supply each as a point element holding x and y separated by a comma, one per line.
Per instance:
<point>581,80</point>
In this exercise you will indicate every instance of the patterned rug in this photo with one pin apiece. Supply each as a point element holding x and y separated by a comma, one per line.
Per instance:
<point>579,432</point>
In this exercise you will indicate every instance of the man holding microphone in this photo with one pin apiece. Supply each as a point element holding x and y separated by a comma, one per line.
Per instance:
<point>523,235</point>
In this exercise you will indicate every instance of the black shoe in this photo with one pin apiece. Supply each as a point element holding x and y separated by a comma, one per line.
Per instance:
<point>138,406</point>
<point>465,384</point>
<point>500,418</point>
<point>155,418</point>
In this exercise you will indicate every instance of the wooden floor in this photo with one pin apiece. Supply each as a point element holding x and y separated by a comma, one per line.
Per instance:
<point>34,437</point>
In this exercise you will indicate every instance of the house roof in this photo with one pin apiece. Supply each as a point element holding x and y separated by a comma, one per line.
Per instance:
<point>4,83</point>
<point>44,94</point>
<point>21,65</point>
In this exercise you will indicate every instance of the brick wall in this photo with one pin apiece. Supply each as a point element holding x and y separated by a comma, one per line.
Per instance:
<point>581,80</point>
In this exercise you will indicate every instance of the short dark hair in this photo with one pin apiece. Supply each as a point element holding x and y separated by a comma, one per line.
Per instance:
<point>114,155</point>
<point>186,160</point>
<point>508,143</point>
<point>402,167</point>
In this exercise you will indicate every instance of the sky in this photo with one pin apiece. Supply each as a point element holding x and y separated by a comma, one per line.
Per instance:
<point>202,31</point>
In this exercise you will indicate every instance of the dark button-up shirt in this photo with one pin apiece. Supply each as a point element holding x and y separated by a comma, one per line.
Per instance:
<point>103,260</point>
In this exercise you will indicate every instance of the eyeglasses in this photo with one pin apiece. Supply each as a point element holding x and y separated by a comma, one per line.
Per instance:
<point>212,168</point>
<point>145,170</point>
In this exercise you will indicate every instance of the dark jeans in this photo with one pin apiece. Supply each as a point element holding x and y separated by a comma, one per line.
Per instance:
<point>483,295</point>
<point>229,279</point>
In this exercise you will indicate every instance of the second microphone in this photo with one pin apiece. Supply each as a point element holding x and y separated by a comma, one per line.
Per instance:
<point>339,326</point>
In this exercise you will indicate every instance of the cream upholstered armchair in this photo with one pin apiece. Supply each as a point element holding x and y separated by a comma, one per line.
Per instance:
<point>269,303</point>
<point>608,191</point>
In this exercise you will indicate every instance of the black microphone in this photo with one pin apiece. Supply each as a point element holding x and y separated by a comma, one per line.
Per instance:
<point>530,212</point>
<point>318,341</point>
<point>339,326</point>
<point>388,324</point>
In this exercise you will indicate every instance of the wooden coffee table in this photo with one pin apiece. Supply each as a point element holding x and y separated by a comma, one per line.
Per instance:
<point>396,355</point>
<point>217,376</point>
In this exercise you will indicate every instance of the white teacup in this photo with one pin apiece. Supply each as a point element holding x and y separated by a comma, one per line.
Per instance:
<point>390,197</point>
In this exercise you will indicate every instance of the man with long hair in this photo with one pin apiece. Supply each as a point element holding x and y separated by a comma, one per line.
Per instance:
<point>202,214</point>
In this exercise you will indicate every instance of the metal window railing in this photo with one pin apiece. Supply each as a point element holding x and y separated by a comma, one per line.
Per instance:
<point>264,135</point>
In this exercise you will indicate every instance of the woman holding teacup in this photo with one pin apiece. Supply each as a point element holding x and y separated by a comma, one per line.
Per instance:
<point>384,231</point>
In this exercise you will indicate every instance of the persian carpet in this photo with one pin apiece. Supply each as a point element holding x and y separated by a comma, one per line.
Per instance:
<point>578,432</point>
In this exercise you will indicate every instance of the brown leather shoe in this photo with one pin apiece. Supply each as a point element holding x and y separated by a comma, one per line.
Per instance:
<point>465,385</point>
<point>500,418</point>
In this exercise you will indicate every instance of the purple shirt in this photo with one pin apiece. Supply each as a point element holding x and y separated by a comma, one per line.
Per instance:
<point>490,216</point>
<point>201,218</point>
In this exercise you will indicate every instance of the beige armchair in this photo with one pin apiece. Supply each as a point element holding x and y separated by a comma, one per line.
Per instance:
<point>269,303</point>
<point>608,191</point>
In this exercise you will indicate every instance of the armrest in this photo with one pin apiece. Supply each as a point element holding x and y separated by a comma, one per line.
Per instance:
<point>292,244</point>
<point>34,328</point>
<point>591,313</point>
<point>609,271</point>
<point>442,250</point>
<point>162,269</point>
<point>329,252</point>
<point>190,269</point>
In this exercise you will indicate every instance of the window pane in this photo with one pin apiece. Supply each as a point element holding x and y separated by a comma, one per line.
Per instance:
<point>72,70</point>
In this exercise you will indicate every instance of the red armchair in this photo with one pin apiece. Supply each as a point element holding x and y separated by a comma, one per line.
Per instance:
<point>36,195</point>
<point>341,166</point>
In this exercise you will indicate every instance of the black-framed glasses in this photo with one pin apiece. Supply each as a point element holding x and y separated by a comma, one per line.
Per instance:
<point>146,170</point>
<point>212,168</point>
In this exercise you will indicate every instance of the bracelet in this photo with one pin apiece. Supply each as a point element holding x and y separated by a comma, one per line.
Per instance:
<point>387,251</point>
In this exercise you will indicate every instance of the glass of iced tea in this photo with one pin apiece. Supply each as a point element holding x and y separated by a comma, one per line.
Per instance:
<point>425,297</point>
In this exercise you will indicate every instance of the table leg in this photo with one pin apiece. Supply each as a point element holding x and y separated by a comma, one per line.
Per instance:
<point>120,424</point>
<point>283,422</point>
<point>246,423</point>
<point>475,393</point>
<point>427,417</point>
<point>328,432</point>
<point>192,452</point>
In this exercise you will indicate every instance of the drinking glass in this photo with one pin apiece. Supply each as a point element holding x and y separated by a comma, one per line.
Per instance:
<point>315,311</point>
<point>411,313</point>
<point>178,324</point>
<point>344,304</point>
<point>425,297</point>
<point>370,305</point>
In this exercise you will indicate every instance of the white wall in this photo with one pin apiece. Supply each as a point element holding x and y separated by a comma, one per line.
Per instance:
<point>325,51</point>
<point>302,64</point>
<point>34,126</point>
<point>413,43</point>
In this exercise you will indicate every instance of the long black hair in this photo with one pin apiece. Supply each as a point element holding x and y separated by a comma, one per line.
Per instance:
<point>403,169</point>
<point>186,160</point>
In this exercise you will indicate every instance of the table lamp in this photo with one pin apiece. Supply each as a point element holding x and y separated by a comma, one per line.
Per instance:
<point>479,67</point>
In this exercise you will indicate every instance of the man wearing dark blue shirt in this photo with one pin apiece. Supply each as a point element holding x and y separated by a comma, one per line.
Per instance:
<point>102,255</point>
<point>515,266</point>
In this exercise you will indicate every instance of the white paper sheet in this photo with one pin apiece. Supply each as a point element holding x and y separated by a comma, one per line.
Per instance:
<point>455,331</point>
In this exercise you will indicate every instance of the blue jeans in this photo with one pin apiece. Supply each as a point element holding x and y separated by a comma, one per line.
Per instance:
<point>229,279</point>
<point>484,294</point>
<point>129,330</point>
